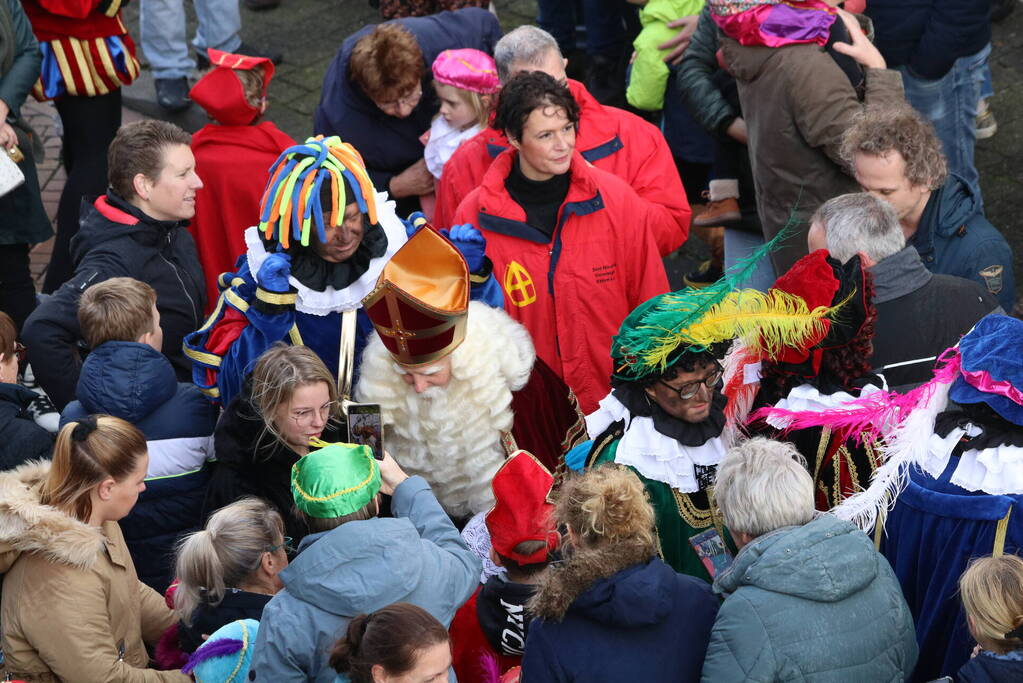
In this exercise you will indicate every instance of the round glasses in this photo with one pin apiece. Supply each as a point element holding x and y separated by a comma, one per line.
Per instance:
<point>304,418</point>
<point>691,389</point>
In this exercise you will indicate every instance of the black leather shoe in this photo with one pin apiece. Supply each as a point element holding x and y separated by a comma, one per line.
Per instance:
<point>261,5</point>
<point>172,94</point>
<point>253,51</point>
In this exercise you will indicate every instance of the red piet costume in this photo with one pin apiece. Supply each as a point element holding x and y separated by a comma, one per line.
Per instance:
<point>85,46</point>
<point>840,459</point>
<point>492,626</point>
<point>232,157</point>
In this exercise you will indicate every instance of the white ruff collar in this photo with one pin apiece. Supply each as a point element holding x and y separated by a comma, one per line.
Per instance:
<point>653,454</point>
<point>808,398</point>
<point>333,300</point>
<point>997,470</point>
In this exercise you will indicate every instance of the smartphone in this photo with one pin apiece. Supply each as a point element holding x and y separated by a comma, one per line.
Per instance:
<point>366,428</point>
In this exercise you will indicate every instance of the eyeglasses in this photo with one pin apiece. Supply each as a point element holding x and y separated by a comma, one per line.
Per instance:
<point>411,99</point>
<point>20,351</point>
<point>286,544</point>
<point>304,418</point>
<point>690,389</point>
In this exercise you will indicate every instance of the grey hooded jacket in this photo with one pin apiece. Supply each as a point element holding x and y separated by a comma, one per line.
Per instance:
<point>811,603</point>
<point>417,557</point>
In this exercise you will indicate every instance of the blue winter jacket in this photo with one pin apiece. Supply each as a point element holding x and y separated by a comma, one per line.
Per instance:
<point>136,383</point>
<point>643,623</point>
<point>928,36</point>
<point>811,603</point>
<point>955,238</point>
<point>417,556</point>
<point>389,144</point>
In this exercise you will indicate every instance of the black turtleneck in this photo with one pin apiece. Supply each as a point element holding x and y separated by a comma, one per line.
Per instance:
<point>541,199</point>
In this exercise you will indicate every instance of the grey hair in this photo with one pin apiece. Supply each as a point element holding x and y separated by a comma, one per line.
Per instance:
<point>763,485</point>
<point>860,222</point>
<point>528,44</point>
<point>225,553</point>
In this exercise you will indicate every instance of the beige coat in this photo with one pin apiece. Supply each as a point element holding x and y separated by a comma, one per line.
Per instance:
<point>73,608</point>
<point>797,103</point>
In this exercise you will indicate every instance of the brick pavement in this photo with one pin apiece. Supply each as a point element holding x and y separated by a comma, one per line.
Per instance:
<point>309,32</point>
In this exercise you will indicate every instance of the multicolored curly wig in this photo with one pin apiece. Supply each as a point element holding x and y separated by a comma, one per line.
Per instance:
<point>292,200</point>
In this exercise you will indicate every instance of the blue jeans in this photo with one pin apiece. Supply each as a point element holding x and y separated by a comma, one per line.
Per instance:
<point>163,36</point>
<point>603,19</point>
<point>950,104</point>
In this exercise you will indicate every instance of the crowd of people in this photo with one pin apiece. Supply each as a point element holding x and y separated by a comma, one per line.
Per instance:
<point>413,400</point>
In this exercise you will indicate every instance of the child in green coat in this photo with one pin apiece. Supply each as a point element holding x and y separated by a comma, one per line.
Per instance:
<point>649,72</point>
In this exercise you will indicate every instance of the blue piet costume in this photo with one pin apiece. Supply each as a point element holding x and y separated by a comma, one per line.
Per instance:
<point>956,465</point>
<point>284,290</point>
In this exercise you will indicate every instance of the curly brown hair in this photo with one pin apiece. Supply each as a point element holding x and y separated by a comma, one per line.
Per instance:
<point>387,63</point>
<point>879,130</point>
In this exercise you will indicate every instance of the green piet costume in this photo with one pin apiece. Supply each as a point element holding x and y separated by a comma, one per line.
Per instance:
<point>679,516</point>
<point>677,460</point>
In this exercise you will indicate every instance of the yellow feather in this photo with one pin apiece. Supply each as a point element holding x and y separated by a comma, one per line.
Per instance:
<point>765,322</point>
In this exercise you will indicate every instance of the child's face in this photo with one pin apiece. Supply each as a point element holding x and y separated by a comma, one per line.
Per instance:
<point>155,336</point>
<point>456,111</point>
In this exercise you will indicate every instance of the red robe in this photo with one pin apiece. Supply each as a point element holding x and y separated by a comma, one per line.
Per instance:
<point>232,162</point>
<point>469,647</point>
<point>548,422</point>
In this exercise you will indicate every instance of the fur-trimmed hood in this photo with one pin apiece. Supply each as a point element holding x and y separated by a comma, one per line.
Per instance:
<point>28,526</point>
<point>625,585</point>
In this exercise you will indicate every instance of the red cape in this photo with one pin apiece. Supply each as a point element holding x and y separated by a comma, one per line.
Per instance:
<point>232,162</point>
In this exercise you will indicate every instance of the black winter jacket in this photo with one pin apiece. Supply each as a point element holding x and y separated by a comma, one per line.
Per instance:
<point>21,439</point>
<point>928,36</point>
<point>237,604</point>
<point>919,315</point>
<point>698,80</point>
<point>253,463</point>
<point>117,239</point>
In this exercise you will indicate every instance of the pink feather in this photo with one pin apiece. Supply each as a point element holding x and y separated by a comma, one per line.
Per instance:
<point>490,672</point>
<point>875,414</point>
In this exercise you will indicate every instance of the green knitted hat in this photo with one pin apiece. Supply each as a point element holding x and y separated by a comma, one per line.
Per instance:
<point>335,480</point>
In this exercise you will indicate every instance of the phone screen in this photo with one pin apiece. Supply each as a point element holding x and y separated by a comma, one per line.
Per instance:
<point>366,428</point>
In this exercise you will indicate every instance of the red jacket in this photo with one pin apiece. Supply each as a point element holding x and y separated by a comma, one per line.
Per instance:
<point>573,289</point>
<point>232,162</point>
<point>611,139</point>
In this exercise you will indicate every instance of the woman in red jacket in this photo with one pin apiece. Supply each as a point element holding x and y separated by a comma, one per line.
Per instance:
<point>87,56</point>
<point>572,245</point>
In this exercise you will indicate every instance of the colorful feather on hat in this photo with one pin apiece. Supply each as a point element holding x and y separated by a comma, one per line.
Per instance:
<point>875,414</point>
<point>764,321</point>
<point>699,318</point>
<point>291,202</point>
<point>907,445</point>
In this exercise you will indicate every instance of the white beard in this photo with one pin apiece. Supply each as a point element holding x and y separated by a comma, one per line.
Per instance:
<point>451,435</point>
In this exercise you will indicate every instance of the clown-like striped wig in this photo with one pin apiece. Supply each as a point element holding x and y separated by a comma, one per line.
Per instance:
<point>292,201</point>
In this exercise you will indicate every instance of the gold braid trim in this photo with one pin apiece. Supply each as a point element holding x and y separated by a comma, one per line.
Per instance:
<point>694,516</point>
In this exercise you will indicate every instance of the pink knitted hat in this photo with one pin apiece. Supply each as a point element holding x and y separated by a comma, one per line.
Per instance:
<point>467,69</point>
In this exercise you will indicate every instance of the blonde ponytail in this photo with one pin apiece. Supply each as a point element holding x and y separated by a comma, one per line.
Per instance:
<point>224,554</point>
